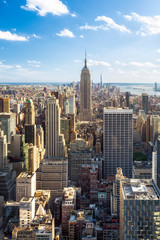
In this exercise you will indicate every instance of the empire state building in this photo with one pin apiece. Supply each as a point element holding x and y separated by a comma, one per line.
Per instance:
<point>85,95</point>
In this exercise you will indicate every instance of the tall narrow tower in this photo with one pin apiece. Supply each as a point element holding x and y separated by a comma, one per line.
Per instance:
<point>54,140</point>
<point>85,95</point>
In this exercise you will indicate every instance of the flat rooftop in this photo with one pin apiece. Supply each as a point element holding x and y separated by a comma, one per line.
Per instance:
<point>139,189</point>
<point>25,175</point>
<point>118,110</point>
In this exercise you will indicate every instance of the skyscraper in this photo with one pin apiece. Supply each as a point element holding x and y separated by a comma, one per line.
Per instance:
<point>3,149</point>
<point>5,105</point>
<point>118,141</point>
<point>85,95</point>
<point>30,127</point>
<point>55,143</point>
<point>30,113</point>
<point>127,99</point>
<point>145,102</point>
<point>139,209</point>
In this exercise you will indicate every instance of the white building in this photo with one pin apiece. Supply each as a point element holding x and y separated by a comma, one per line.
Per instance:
<point>25,185</point>
<point>154,166</point>
<point>3,149</point>
<point>55,143</point>
<point>72,104</point>
<point>27,211</point>
<point>118,141</point>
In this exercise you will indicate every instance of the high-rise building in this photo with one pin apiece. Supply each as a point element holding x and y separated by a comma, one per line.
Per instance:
<point>154,128</point>
<point>72,104</point>
<point>30,127</point>
<point>27,211</point>
<point>52,175</point>
<point>8,121</point>
<point>30,113</point>
<point>127,99</point>
<point>154,166</point>
<point>145,102</point>
<point>33,158</point>
<point>55,143</point>
<point>25,185</point>
<point>118,141</point>
<point>158,162</point>
<point>139,209</point>
<point>3,149</point>
<point>85,95</point>
<point>5,105</point>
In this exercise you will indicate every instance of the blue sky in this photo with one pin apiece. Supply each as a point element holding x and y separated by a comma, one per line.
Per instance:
<point>45,40</point>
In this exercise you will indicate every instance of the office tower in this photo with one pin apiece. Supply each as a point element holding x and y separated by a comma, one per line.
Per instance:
<point>145,102</point>
<point>7,186</point>
<point>8,121</point>
<point>30,127</point>
<point>65,129</point>
<point>147,132</point>
<point>18,146</point>
<point>1,216</point>
<point>118,141</point>
<point>116,192</point>
<point>5,105</point>
<point>158,162</point>
<point>3,149</point>
<point>127,99</point>
<point>66,106</point>
<point>25,185</point>
<point>154,166</point>
<point>139,209</point>
<point>85,95</point>
<point>30,113</point>
<point>72,104</point>
<point>154,128</point>
<point>33,158</point>
<point>53,175</point>
<point>101,80</point>
<point>55,143</point>
<point>27,211</point>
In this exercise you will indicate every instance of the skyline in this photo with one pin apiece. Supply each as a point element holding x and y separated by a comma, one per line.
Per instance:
<point>46,42</point>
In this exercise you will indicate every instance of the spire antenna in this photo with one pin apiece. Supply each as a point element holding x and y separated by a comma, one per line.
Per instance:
<point>85,58</point>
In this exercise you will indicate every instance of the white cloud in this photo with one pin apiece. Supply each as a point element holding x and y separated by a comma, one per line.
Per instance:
<point>81,36</point>
<point>91,63</point>
<point>111,24</point>
<point>149,25</point>
<point>138,64</point>
<point>65,33</point>
<point>158,50</point>
<point>143,65</point>
<point>34,63</point>
<point>73,14</point>
<point>55,7</point>
<point>94,28</point>
<point>12,36</point>
<point>35,36</point>
<point>18,66</point>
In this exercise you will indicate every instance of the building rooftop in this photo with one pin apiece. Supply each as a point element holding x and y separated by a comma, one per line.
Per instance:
<point>118,110</point>
<point>25,175</point>
<point>139,189</point>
